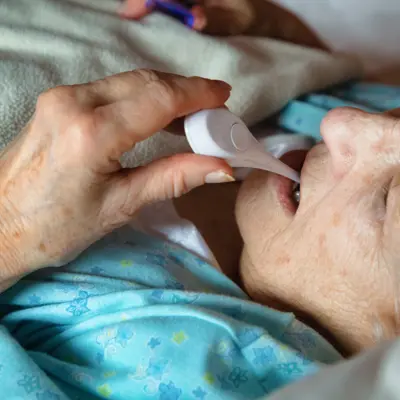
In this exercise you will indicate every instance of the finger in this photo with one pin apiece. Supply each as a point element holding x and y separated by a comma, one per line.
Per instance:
<point>164,179</point>
<point>135,9</point>
<point>137,83</point>
<point>176,127</point>
<point>119,87</point>
<point>155,100</point>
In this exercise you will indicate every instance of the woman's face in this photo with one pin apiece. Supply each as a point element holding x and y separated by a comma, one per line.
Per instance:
<point>337,253</point>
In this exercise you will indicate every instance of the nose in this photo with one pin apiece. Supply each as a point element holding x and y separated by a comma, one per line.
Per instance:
<point>367,144</point>
<point>338,130</point>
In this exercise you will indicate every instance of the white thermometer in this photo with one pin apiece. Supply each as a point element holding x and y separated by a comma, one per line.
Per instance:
<point>219,133</point>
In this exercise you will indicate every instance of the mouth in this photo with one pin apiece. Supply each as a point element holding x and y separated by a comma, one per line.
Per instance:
<point>285,188</point>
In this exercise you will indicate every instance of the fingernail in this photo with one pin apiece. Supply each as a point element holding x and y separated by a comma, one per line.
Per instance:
<point>219,177</point>
<point>223,85</point>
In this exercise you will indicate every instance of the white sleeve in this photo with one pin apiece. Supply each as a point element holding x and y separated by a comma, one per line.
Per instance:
<point>373,375</point>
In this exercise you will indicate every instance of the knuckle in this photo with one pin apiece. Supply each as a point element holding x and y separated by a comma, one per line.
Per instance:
<point>179,185</point>
<point>82,125</point>
<point>147,75</point>
<point>164,94</point>
<point>68,124</point>
<point>107,84</point>
<point>53,98</point>
<point>161,90</point>
<point>81,136</point>
<point>174,183</point>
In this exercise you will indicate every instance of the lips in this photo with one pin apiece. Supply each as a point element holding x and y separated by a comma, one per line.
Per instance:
<point>284,186</point>
<point>284,189</point>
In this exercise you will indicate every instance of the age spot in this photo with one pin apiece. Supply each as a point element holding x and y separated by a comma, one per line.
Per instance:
<point>381,147</point>
<point>37,161</point>
<point>8,187</point>
<point>67,211</point>
<point>322,239</point>
<point>42,247</point>
<point>336,219</point>
<point>368,179</point>
<point>283,259</point>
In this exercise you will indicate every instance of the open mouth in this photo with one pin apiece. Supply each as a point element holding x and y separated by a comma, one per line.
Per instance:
<point>286,190</point>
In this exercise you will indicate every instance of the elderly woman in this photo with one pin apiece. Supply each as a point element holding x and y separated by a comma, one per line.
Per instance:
<point>121,315</point>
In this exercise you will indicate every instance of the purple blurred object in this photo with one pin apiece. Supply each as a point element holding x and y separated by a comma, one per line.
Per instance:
<point>180,10</point>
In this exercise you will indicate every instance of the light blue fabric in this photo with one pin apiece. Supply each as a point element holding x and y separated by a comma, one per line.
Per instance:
<point>304,115</point>
<point>137,318</point>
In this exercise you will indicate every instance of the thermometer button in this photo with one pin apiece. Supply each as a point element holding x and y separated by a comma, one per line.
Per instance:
<point>239,137</point>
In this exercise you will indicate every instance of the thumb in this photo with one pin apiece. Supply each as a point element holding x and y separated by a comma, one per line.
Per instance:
<point>165,179</point>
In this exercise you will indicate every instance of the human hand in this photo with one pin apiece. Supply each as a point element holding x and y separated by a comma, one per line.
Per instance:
<point>61,184</point>
<point>337,257</point>
<point>219,17</point>
<point>237,17</point>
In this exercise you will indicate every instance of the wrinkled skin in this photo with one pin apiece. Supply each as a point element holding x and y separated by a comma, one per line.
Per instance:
<point>337,256</point>
<point>61,184</point>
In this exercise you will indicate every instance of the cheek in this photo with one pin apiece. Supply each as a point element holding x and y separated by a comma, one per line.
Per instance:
<point>357,221</point>
<point>367,202</point>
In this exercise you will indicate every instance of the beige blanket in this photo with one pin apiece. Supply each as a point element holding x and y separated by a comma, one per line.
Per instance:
<point>44,43</point>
